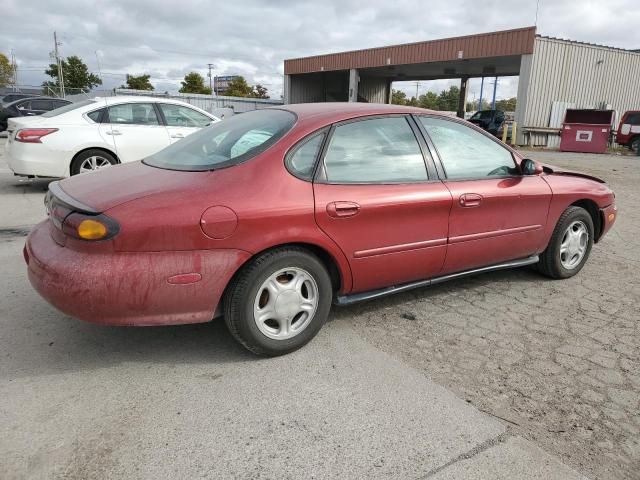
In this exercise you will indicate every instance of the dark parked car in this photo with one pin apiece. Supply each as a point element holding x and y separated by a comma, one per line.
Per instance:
<point>270,216</point>
<point>489,120</point>
<point>27,107</point>
<point>12,97</point>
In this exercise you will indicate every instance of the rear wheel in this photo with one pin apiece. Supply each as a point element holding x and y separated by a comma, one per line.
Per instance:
<point>635,145</point>
<point>92,160</point>
<point>278,302</point>
<point>570,244</point>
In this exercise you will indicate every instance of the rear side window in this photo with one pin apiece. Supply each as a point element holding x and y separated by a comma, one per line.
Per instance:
<point>41,105</point>
<point>67,108</point>
<point>301,160</point>
<point>226,143</point>
<point>133,114</point>
<point>379,150</point>
<point>95,115</point>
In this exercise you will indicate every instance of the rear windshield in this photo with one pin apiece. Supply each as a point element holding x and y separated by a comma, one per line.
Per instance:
<point>229,142</point>
<point>67,108</point>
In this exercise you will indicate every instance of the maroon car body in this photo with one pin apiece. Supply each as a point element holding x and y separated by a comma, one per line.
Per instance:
<point>183,235</point>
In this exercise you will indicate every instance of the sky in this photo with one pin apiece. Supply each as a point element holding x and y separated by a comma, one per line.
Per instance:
<point>168,39</point>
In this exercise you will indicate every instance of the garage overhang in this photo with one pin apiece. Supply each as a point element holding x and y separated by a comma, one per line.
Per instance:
<point>486,54</point>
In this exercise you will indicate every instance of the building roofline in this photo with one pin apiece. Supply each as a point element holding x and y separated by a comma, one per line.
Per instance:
<point>589,44</point>
<point>396,45</point>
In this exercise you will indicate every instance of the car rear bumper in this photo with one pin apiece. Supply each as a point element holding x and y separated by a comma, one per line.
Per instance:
<point>35,159</point>
<point>129,288</point>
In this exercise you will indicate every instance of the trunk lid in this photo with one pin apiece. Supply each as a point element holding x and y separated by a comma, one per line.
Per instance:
<point>116,185</point>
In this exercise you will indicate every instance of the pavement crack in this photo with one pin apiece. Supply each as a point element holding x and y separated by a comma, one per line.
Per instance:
<point>486,445</point>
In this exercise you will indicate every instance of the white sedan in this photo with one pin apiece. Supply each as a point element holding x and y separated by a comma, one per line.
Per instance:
<point>98,133</point>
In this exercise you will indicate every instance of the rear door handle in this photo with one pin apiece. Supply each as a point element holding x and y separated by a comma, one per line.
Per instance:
<point>342,209</point>
<point>177,135</point>
<point>470,200</point>
<point>113,132</point>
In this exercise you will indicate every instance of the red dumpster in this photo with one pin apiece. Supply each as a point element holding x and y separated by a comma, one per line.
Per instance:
<point>586,131</point>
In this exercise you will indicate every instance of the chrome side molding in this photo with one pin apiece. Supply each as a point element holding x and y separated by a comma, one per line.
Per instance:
<point>382,292</point>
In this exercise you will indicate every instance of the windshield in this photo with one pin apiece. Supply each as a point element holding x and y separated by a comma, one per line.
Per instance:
<point>67,108</point>
<point>482,115</point>
<point>226,143</point>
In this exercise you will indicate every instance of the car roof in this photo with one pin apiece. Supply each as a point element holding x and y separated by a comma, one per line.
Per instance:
<point>137,99</point>
<point>37,97</point>
<point>338,111</point>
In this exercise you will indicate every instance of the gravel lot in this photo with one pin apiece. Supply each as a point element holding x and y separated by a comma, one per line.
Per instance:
<point>555,362</point>
<point>558,360</point>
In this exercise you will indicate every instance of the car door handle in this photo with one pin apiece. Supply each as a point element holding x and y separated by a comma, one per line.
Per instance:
<point>470,200</point>
<point>113,132</point>
<point>342,209</point>
<point>177,135</point>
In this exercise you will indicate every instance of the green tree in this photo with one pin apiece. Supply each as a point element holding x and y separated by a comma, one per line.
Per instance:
<point>141,82</point>
<point>398,97</point>
<point>194,83</point>
<point>76,75</point>
<point>6,71</point>
<point>506,104</point>
<point>238,87</point>
<point>260,92</point>
<point>448,99</point>
<point>428,100</point>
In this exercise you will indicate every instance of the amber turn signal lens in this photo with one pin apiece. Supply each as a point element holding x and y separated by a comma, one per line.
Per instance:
<point>92,230</point>
<point>612,216</point>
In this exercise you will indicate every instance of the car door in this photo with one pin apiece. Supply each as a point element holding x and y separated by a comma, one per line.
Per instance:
<point>375,198</point>
<point>136,129</point>
<point>498,214</point>
<point>182,121</point>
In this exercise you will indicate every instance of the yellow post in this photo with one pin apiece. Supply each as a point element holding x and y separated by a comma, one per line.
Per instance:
<point>514,132</point>
<point>505,130</point>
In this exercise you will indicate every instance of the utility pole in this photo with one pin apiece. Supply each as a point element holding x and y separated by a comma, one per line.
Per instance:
<point>59,63</point>
<point>14,71</point>
<point>210,78</point>
<point>417,87</point>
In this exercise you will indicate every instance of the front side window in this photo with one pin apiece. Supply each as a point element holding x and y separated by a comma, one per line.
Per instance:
<point>466,153</point>
<point>226,143</point>
<point>302,160</point>
<point>179,116</point>
<point>633,119</point>
<point>378,150</point>
<point>133,113</point>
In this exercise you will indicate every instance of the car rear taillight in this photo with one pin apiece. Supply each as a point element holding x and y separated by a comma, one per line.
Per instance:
<point>33,135</point>
<point>90,227</point>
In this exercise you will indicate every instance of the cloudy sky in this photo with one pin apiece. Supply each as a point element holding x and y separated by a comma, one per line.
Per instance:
<point>167,39</point>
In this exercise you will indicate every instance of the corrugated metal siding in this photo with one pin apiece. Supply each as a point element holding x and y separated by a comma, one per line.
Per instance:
<point>373,89</point>
<point>494,44</point>
<point>565,71</point>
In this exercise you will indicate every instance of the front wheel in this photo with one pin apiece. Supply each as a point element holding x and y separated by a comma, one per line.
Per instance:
<point>279,301</point>
<point>570,244</point>
<point>635,145</point>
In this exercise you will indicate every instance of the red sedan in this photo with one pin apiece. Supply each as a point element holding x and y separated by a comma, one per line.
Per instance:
<point>270,216</point>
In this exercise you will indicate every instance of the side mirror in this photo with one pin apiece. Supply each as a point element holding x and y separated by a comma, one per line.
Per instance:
<point>529,167</point>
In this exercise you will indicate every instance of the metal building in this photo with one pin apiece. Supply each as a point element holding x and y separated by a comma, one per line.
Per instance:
<point>554,75</point>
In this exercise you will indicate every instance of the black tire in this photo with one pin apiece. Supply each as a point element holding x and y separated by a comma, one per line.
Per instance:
<point>81,157</point>
<point>550,263</point>
<point>634,145</point>
<point>242,294</point>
